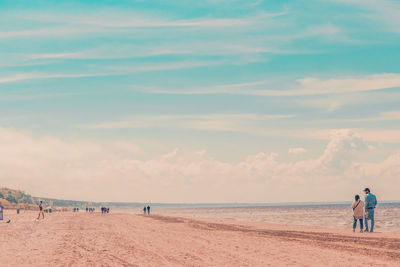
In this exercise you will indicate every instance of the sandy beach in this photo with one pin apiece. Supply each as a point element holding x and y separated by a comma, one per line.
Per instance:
<point>81,239</point>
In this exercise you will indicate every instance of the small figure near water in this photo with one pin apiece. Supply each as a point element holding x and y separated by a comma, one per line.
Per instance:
<point>148,210</point>
<point>40,210</point>
<point>370,205</point>
<point>358,213</point>
<point>144,210</point>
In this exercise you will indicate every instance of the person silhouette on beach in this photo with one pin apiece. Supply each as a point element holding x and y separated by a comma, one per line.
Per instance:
<point>358,213</point>
<point>148,210</point>
<point>370,205</point>
<point>40,210</point>
<point>144,210</point>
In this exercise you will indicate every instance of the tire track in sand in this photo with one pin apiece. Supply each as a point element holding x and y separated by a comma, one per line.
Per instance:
<point>379,247</point>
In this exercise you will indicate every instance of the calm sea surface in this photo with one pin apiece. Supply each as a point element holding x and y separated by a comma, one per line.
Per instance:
<point>387,215</point>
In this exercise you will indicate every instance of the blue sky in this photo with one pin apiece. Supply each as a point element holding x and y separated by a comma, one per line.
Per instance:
<point>232,78</point>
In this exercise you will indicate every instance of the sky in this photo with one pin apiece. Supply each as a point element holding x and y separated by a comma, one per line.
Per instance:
<point>200,101</point>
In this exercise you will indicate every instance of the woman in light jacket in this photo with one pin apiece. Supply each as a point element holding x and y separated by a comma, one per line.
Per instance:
<point>358,212</point>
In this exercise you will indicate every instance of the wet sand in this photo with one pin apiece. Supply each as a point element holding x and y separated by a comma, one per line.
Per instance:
<point>84,239</point>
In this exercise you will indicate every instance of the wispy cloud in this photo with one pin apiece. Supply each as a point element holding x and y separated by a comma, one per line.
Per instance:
<point>370,135</point>
<point>39,76</point>
<point>121,70</point>
<point>355,99</point>
<point>383,116</point>
<point>248,123</point>
<point>347,85</point>
<point>51,32</point>
<point>301,87</point>
<point>235,88</point>
<point>120,21</point>
<point>108,71</point>
<point>24,96</point>
<point>241,52</point>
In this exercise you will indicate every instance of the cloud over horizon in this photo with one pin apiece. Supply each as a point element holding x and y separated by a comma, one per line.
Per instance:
<point>86,170</point>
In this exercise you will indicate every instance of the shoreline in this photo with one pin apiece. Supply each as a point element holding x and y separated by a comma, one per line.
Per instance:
<point>261,223</point>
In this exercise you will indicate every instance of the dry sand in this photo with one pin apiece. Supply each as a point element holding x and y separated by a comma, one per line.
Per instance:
<point>81,239</point>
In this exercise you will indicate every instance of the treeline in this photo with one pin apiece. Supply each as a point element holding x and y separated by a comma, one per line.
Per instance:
<point>11,198</point>
<point>76,203</point>
<point>16,196</point>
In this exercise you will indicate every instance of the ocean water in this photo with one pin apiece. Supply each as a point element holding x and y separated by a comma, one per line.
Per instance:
<point>387,215</point>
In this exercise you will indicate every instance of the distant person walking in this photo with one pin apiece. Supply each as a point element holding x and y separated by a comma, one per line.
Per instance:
<point>40,210</point>
<point>358,213</point>
<point>144,210</point>
<point>370,205</point>
<point>148,210</point>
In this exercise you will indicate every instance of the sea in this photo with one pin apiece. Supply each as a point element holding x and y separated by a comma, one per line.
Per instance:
<point>331,215</point>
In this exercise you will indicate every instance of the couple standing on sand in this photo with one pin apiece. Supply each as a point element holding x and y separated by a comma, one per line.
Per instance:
<point>365,210</point>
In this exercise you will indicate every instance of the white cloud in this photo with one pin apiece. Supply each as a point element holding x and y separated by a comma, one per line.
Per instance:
<point>338,153</point>
<point>49,166</point>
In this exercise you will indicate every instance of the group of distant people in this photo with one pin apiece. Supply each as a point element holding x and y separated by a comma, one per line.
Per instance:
<point>75,209</point>
<point>146,209</point>
<point>364,211</point>
<point>105,210</point>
